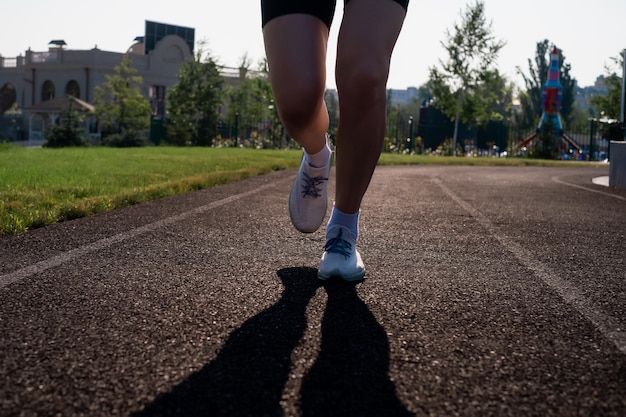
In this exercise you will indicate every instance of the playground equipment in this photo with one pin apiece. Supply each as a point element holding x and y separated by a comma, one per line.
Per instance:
<point>551,99</point>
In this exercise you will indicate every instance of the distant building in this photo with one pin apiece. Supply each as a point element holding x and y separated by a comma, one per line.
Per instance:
<point>33,82</point>
<point>402,96</point>
<point>584,94</point>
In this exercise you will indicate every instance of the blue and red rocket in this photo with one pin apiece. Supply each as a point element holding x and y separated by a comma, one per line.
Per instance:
<point>552,96</point>
<point>551,99</point>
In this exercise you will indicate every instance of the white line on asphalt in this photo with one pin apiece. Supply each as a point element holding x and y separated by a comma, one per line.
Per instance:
<point>608,326</point>
<point>560,181</point>
<point>109,241</point>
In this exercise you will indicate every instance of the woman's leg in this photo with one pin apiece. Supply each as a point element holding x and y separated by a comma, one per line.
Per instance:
<point>295,46</point>
<point>367,36</point>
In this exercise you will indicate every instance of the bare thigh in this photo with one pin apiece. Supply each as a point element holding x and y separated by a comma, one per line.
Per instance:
<point>369,31</point>
<point>295,46</point>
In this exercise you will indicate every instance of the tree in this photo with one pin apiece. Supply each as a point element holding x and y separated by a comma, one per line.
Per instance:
<point>500,92</point>
<point>332,104</point>
<point>459,86</point>
<point>547,142</point>
<point>239,99</point>
<point>248,104</point>
<point>530,99</point>
<point>251,111</point>
<point>402,121</point>
<point>275,132</point>
<point>610,104</point>
<point>398,129</point>
<point>68,131</point>
<point>120,106</point>
<point>194,102</point>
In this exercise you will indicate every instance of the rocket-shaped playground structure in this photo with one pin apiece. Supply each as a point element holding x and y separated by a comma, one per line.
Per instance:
<point>551,99</point>
<point>552,96</point>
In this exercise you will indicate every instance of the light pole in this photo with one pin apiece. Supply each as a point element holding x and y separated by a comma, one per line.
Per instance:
<point>410,139</point>
<point>592,133</point>
<point>622,114</point>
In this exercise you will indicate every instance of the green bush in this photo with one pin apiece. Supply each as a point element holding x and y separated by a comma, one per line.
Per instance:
<point>68,132</point>
<point>126,139</point>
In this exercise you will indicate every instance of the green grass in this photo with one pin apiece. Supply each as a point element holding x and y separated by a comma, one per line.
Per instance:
<point>39,187</point>
<point>398,159</point>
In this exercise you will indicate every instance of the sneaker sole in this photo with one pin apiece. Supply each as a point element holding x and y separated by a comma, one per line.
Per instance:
<point>354,277</point>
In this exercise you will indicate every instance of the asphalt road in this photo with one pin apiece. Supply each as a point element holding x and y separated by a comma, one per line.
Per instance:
<point>489,292</point>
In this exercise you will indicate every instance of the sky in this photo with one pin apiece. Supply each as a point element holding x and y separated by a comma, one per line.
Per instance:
<point>588,33</point>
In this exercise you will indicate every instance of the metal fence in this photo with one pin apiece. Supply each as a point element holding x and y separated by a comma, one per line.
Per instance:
<point>593,140</point>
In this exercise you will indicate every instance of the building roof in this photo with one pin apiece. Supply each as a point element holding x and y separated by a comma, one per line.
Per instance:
<point>59,104</point>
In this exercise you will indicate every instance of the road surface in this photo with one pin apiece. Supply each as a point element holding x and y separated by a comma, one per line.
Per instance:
<point>490,291</point>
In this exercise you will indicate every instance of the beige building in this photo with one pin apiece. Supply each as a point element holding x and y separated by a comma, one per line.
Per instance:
<point>34,88</point>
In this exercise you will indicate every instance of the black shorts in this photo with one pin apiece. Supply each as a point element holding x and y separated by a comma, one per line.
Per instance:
<point>322,9</point>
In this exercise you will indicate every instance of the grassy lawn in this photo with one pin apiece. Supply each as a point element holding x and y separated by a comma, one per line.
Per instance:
<point>39,187</point>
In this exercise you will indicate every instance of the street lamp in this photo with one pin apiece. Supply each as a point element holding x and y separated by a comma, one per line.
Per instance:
<point>622,115</point>
<point>410,138</point>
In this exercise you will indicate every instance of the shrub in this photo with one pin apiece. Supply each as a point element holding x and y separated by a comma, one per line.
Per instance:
<point>126,139</point>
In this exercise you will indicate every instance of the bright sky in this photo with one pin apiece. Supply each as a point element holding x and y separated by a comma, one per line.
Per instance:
<point>589,35</point>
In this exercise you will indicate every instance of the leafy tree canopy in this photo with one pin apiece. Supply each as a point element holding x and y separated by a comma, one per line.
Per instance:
<point>195,100</point>
<point>120,106</point>
<point>466,84</point>
<point>68,131</point>
<point>470,67</point>
<point>610,104</point>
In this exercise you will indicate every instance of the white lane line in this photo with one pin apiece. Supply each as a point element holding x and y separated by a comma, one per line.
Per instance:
<point>560,181</point>
<point>608,326</point>
<point>109,241</point>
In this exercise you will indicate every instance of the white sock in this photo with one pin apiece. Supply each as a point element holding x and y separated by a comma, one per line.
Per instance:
<point>351,221</point>
<point>320,159</point>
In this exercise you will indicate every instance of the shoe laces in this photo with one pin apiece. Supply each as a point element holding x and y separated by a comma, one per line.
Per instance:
<point>339,245</point>
<point>311,185</point>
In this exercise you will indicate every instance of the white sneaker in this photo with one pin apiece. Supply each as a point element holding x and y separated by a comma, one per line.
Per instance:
<point>308,199</point>
<point>340,257</point>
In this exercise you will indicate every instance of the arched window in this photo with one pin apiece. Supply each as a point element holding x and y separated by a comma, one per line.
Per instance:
<point>7,97</point>
<point>47,90</point>
<point>72,89</point>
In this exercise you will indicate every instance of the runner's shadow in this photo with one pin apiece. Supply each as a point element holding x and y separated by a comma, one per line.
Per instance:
<point>351,374</point>
<point>248,375</point>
